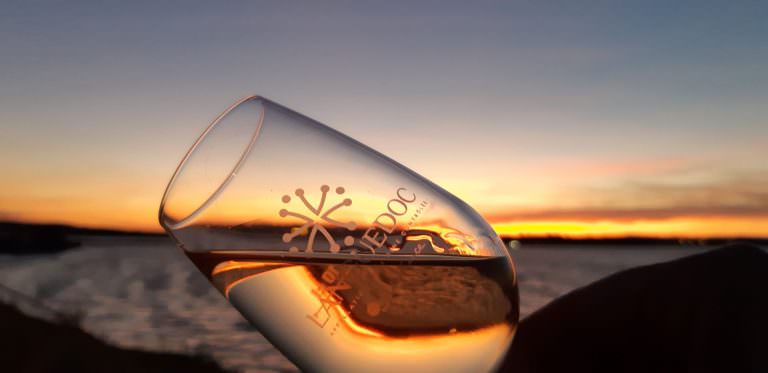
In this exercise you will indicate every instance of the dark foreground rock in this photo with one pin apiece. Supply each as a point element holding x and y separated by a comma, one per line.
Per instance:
<point>33,345</point>
<point>704,313</point>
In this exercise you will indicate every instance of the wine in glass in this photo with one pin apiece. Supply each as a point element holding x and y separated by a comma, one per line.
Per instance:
<point>345,260</point>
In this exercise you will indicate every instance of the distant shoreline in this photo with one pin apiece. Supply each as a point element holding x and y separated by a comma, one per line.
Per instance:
<point>25,238</point>
<point>6,226</point>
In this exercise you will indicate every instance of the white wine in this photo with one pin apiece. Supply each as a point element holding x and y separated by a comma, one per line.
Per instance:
<point>346,260</point>
<point>383,314</point>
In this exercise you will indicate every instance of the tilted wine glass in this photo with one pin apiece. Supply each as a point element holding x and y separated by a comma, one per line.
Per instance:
<point>345,260</point>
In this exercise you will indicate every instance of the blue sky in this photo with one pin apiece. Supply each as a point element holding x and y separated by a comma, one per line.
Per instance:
<point>580,106</point>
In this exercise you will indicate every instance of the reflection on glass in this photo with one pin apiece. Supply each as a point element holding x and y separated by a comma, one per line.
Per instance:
<point>344,259</point>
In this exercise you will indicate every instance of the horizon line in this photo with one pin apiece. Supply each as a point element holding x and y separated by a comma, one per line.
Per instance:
<point>503,236</point>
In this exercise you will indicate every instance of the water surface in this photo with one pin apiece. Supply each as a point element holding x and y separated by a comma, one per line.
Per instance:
<point>144,293</point>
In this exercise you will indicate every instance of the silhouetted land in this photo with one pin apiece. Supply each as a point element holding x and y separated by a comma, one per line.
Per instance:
<point>34,345</point>
<point>22,239</point>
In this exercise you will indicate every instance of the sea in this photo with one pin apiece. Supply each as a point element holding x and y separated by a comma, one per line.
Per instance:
<point>142,292</point>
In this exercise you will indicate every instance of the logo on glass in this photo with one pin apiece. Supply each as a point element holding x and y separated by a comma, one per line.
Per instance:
<point>314,220</point>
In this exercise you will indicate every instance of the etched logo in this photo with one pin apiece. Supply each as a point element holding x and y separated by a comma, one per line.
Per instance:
<point>317,220</point>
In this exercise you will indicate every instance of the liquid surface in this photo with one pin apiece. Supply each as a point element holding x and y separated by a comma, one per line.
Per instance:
<point>417,314</point>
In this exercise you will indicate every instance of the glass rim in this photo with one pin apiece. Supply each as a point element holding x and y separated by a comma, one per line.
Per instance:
<point>167,223</point>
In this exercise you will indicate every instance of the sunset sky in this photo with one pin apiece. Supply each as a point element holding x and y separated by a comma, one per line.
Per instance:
<point>573,118</point>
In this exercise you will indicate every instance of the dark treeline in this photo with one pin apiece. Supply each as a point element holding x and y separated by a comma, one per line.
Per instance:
<point>22,239</point>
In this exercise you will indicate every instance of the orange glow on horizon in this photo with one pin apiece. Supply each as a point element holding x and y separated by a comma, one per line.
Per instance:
<point>137,211</point>
<point>684,227</point>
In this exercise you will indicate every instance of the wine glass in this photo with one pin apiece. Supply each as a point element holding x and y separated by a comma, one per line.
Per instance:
<point>345,260</point>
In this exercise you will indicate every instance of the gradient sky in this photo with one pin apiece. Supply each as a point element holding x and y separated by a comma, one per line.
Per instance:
<point>578,118</point>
